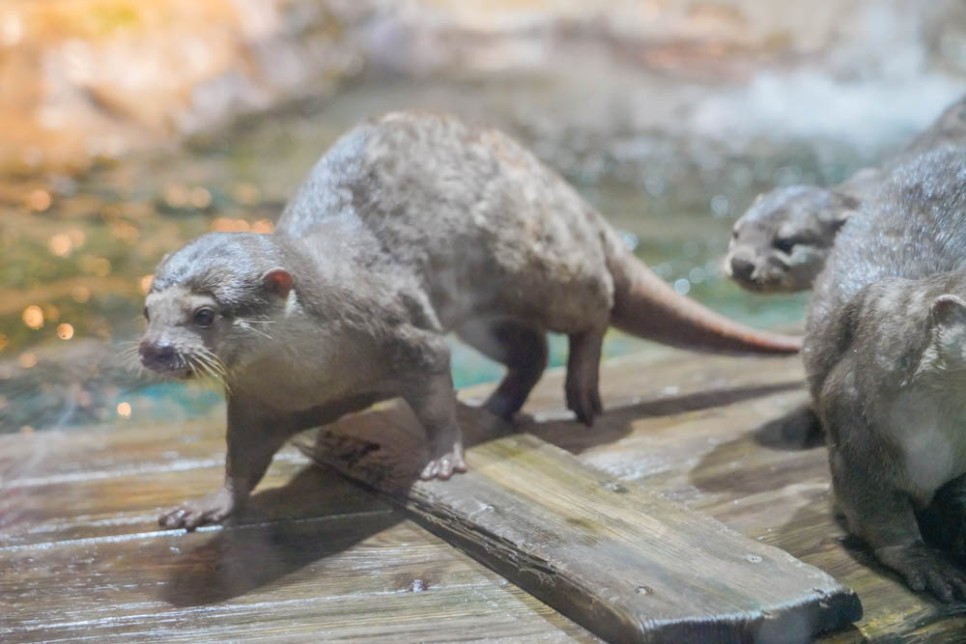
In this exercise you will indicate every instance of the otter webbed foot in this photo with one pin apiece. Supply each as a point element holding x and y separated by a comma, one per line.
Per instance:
<point>444,465</point>
<point>925,569</point>
<point>213,508</point>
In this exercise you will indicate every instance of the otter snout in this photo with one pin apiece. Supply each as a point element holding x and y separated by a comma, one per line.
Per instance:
<point>159,355</point>
<point>742,269</point>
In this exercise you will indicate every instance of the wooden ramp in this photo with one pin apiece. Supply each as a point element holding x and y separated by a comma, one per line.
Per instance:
<point>317,556</point>
<point>624,562</point>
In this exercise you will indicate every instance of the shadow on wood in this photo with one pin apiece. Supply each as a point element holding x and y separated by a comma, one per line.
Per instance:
<point>617,419</point>
<point>799,428</point>
<point>263,547</point>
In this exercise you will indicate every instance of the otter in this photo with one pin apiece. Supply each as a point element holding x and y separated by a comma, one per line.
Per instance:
<point>783,240</point>
<point>885,357</point>
<point>411,226</point>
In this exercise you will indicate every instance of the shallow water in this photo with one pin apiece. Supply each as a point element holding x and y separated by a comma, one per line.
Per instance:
<point>77,251</point>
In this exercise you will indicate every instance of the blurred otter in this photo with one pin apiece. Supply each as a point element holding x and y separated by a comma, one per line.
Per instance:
<point>782,242</point>
<point>885,354</point>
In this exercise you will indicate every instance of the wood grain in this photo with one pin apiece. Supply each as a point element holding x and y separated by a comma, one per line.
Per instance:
<point>316,556</point>
<point>623,561</point>
<point>713,434</point>
<point>312,557</point>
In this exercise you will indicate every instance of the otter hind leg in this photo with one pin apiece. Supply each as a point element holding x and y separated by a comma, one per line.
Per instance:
<point>583,374</point>
<point>521,348</point>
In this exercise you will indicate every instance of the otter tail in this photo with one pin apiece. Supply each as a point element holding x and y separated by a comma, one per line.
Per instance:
<point>645,306</point>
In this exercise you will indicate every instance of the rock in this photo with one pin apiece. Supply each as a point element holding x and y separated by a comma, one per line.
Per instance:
<point>90,79</point>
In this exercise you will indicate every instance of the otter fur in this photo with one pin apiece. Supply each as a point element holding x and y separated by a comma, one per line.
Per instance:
<point>411,226</point>
<point>885,355</point>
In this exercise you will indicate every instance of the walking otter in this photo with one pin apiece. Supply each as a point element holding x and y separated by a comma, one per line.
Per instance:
<point>410,226</point>
<point>782,242</point>
<point>885,355</point>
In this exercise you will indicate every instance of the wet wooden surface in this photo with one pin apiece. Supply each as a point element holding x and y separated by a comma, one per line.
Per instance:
<point>712,434</point>
<point>620,559</point>
<point>318,557</point>
<point>314,557</point>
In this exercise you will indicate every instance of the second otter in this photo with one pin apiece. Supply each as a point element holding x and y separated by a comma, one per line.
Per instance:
<point>885,355</point>
<point>409,227</point>
<point>782,242</point>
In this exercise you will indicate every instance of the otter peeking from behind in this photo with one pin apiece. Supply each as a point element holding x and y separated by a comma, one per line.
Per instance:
<point>410,226</point>
<point>783,240</point>
<point>885,355</point>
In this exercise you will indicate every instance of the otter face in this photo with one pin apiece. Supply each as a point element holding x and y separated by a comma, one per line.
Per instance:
<point>782,242</point>
<point>182,335</point>
<point>193,334</point>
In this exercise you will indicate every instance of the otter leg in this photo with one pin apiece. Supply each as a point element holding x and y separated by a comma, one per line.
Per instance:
<point>522,349</point>
<point>583,369</point>
<point>943,522</point>
<point>424,365</point>
<point>253,438</point>
<point>435,407</point>
<point>882,514</point>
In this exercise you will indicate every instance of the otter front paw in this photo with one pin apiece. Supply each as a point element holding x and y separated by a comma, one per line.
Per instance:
<point>924,568</point>
<point>444,465</point>
<point>213,508</point>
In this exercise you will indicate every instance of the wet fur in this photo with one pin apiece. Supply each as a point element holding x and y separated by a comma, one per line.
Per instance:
<point>885,356</point>
<point>409,227</point>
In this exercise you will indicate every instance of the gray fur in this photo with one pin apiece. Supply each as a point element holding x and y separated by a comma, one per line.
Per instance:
<point>885,355</point>
<point>409,227</point>
<point>783,240</point>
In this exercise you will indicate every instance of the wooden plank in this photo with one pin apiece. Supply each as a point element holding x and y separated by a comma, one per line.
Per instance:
<point>370,578</point>
<point>46,509</point>
<point>313,556</point>
<point>695,427</point>
<point>623,561</point>
<point>706,432</point>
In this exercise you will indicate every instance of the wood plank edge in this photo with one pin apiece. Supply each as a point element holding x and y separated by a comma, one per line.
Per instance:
<point>821,611</point>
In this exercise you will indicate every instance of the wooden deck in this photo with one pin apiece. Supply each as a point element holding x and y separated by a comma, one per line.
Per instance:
<point>319,557</point>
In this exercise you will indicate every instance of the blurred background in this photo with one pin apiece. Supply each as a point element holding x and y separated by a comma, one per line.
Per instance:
<point>128,127</point>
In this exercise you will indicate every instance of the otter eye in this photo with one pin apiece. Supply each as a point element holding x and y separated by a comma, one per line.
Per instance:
<point>784,245</point>
<point>204,317</point>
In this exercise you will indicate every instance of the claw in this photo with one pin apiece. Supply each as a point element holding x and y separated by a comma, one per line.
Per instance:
<point>193,514</point>
<point>443,467</point>
<point>924,568</point>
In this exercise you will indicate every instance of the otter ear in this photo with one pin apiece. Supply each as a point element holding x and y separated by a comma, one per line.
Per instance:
<point>839,218</point>
<point>278,281</point>
<point>948,310</point>
<point>848,205</point>
<point>836,218</point>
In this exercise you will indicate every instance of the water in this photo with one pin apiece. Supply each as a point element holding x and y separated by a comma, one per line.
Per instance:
<point>664,159</point>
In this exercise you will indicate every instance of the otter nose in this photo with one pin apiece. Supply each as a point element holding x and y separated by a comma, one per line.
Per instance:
<point>157,354</point>
<point>741,268</point>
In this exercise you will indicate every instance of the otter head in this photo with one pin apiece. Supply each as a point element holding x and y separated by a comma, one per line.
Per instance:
<point>782,242</point>
<point>211,303</point>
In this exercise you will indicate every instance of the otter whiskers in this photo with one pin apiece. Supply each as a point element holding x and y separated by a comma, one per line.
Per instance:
<point>208,365</point>
<point>247,324</point>
<point>129,358</point>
